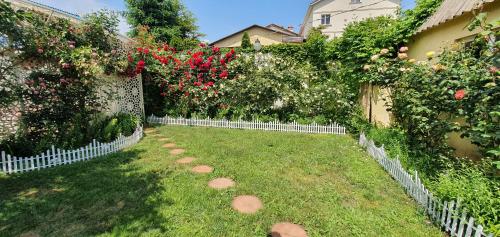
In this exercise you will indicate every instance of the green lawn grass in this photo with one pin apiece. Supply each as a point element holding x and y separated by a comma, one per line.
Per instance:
<point>324,182</point>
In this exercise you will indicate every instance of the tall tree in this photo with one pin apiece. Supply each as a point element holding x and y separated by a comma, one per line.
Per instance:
<point>168,20</point>
<point>245,41</point>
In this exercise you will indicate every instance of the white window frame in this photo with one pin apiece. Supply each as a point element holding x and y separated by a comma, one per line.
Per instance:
<point>324,18</point>
<point>355,1</point>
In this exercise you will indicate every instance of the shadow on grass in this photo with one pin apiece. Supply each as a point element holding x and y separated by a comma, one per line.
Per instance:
<point>106,195</point>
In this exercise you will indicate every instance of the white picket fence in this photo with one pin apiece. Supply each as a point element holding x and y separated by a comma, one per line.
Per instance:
<point>253,125</point>
<point>54,157</point>
<point>448,215</point>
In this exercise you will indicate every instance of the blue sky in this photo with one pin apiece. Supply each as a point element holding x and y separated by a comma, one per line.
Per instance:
<point>216,18</point>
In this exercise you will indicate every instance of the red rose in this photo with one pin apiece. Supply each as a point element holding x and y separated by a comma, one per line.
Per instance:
<point>205,88</point>
<point>224,74</point>
<point>186,93</point>
<point>139,50</point>
<point>215,50</point>
<point>460,94</point>
<point>198,61</point>
<point>140,66</point>
<point>146,51</point>
<point>202,45</point>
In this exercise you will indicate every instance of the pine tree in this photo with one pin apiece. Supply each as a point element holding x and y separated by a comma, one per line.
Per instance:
<point>245,42</point>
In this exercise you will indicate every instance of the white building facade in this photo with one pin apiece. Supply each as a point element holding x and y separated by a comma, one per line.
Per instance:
<point>334,15</point>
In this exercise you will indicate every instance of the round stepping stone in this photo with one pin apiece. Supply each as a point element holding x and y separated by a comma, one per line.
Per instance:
<point>175,152</point>
<point>221,183</point>
<point>164,139</point>
<point>247,204</point>
<point>202,169</point>
<point>149,130</point>
<point>185,160</point>
<point>169,145</point>
<point>286,229</point>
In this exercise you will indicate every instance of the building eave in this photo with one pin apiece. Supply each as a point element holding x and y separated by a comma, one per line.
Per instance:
<point>246,29</point>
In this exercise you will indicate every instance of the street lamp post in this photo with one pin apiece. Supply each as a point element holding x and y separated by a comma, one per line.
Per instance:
<point>257,46</point>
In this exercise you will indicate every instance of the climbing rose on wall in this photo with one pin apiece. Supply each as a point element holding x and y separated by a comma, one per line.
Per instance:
<point>193,77</point>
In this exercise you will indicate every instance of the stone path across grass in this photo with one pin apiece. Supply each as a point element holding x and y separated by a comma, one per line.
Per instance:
<point>286,229</point>
<point>185,160</point>
<point>169,145</point>
<point>221,183</point>
<point>245,204</point>
<point>202,169</point>
<point>176,152</point>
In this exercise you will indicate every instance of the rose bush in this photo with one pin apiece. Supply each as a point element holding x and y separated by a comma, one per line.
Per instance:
<point>54,69</point>
<point>189,81</point>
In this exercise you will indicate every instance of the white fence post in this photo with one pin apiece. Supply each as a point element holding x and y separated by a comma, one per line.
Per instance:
<point>443,214</point>
<point>254,124</point>
<point>54,157</point>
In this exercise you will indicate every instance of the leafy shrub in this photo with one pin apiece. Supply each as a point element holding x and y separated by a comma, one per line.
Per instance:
<point>109,128</point>
<point>479,194</point>
<point>80,133</point>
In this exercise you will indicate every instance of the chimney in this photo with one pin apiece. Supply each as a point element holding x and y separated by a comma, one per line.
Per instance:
<point>291,28</point>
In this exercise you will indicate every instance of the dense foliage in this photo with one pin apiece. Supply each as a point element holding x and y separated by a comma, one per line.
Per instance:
<point>53,69</point>
<point>168,21</point>
<point>313,51</point>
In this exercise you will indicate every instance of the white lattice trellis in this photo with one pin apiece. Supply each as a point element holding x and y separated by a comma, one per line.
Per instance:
<point>129,97</point>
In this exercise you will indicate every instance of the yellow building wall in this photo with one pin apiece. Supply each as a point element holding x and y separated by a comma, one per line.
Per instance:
<point>265,37</point>
<point>445,34</point>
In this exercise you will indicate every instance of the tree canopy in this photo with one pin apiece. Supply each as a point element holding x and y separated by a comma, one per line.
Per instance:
<point>168,20</point>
